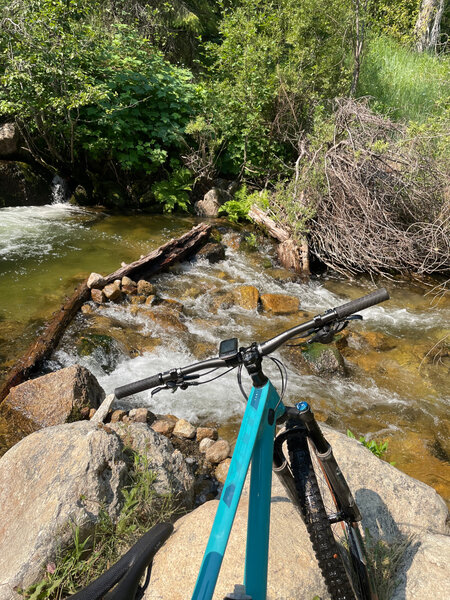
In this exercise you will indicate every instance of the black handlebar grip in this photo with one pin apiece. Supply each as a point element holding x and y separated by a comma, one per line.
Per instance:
<point>360,303</point>
<point>138,386</point>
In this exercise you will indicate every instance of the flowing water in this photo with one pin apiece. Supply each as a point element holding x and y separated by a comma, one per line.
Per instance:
<point>397,359</point>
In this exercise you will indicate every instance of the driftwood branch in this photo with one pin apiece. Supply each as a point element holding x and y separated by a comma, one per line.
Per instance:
<point>290,254</point>
<point>156,261</point>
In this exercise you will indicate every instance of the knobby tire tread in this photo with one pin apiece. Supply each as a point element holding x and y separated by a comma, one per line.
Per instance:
<point>316,520</point>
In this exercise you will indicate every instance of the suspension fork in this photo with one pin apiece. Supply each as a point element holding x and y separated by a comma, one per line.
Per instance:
<point>300,420</point>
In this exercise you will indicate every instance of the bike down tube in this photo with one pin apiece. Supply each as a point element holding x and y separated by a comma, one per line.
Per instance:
<point>253,426</point>
<point>257,548</point>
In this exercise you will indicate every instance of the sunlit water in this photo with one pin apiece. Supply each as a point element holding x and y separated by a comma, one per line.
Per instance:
<point>396,392</point>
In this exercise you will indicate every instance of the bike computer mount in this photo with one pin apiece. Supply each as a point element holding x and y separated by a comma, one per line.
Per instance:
<point>228,349</point>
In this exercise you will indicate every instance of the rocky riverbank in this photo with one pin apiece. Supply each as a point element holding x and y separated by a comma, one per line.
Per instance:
<point>64,474</point>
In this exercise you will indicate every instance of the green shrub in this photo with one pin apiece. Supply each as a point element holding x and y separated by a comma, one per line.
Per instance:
<point>237,209</point>
<point>90,95</point>
<point>172,193</point>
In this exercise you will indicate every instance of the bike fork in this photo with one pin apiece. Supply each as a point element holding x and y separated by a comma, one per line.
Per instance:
<point>301,421</point>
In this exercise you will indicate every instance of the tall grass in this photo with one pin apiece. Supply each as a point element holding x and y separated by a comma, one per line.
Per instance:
<point>405,84</point>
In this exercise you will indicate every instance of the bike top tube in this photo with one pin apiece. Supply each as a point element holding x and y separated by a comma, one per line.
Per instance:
<point>339,313</point>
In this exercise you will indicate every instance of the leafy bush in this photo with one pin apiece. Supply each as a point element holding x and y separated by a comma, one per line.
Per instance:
<point>172,193</point>
<point>273,64</point>
<point>237,209</point>
<point>88,93</point>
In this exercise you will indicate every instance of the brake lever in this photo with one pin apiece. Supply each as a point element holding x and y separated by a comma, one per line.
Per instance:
<point>325,335</point>
<point>182,383</point>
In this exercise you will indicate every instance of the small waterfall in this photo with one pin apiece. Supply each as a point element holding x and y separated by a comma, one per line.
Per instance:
<point>59,190</point>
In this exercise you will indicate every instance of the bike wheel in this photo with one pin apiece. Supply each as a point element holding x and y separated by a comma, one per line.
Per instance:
<point>338,546</point>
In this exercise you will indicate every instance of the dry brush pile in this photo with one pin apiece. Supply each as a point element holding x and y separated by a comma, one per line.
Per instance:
<point>381,197</point>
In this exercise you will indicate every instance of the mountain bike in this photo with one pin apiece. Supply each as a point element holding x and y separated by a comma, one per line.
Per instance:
<point>298,453</point>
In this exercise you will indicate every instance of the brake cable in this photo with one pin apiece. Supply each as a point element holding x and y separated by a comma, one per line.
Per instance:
<point>186,381</point>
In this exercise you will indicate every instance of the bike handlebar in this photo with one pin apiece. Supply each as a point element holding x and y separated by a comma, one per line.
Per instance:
<point>338,313</point>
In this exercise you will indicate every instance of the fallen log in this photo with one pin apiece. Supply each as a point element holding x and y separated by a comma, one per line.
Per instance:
<point>290,254</point>
<point>155,262</point>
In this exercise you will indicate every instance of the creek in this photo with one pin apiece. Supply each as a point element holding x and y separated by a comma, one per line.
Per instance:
<point>397,358</point>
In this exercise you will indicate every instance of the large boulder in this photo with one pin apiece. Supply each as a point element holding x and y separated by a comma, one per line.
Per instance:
<point>52,399</point>
<point>211,202</point>
<point>9,140</point>
<point>320,359</point>
<point>20,185</point>
<point>172,474</point>
<point>397,510</point>
<point>50,481</point>
<point>293,573</point>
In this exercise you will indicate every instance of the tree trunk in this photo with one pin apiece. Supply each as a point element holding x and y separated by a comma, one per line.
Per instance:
<point>428,24</point>
<point>156,261</point>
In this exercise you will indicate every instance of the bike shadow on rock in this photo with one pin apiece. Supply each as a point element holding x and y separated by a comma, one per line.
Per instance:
<point>390,550</point>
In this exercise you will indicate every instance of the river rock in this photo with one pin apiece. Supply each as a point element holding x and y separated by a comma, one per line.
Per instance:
<point>323,359</point>
<point>172,474</point>
<point>213,252</point>
<point>127,281</point>
<point>206,432</point>
<point>52,479</point>
<point>427,574</point>
<point>145,288</point>
<point>141,415</point>
<point>280,304</point>
<point>98,296</point>
<point>393,505</point>
<point>184,429</point>
<point>218,451</point>
<point>21,186</point>
<point>118,415</point>
<point>246,296</point>
<point>9,139</point>
<point>295,577</point>
<point>95,281</point>
<point>163,426</point>
<point>205,444</point>
<point>52,399</point>
<point>221,470</point>
<point>165,318</point>
<point>113,291</point>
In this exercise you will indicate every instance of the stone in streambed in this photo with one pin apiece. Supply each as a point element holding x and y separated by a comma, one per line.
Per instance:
<point>218,451</point>
<point>246,296</point>
<point>280,304</point>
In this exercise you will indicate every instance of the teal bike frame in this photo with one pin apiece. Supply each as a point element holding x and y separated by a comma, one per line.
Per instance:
<point>255,443</point>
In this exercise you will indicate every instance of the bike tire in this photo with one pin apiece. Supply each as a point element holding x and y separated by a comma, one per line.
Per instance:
<point>339,547</point>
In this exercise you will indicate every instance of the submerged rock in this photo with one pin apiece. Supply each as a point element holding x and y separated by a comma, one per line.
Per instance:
<point>280,304</point>
<point>246,296</point>
<point>213,252</point>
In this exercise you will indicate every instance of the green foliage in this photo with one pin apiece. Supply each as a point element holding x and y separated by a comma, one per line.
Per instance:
<point>274,63</point>
<point>86,92</point>
<point>377,448</point>
<point>237,209</point>
<point>87,559</point>
<point>402,82</point>
<point>395,19</point>
<point>173,193</point>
